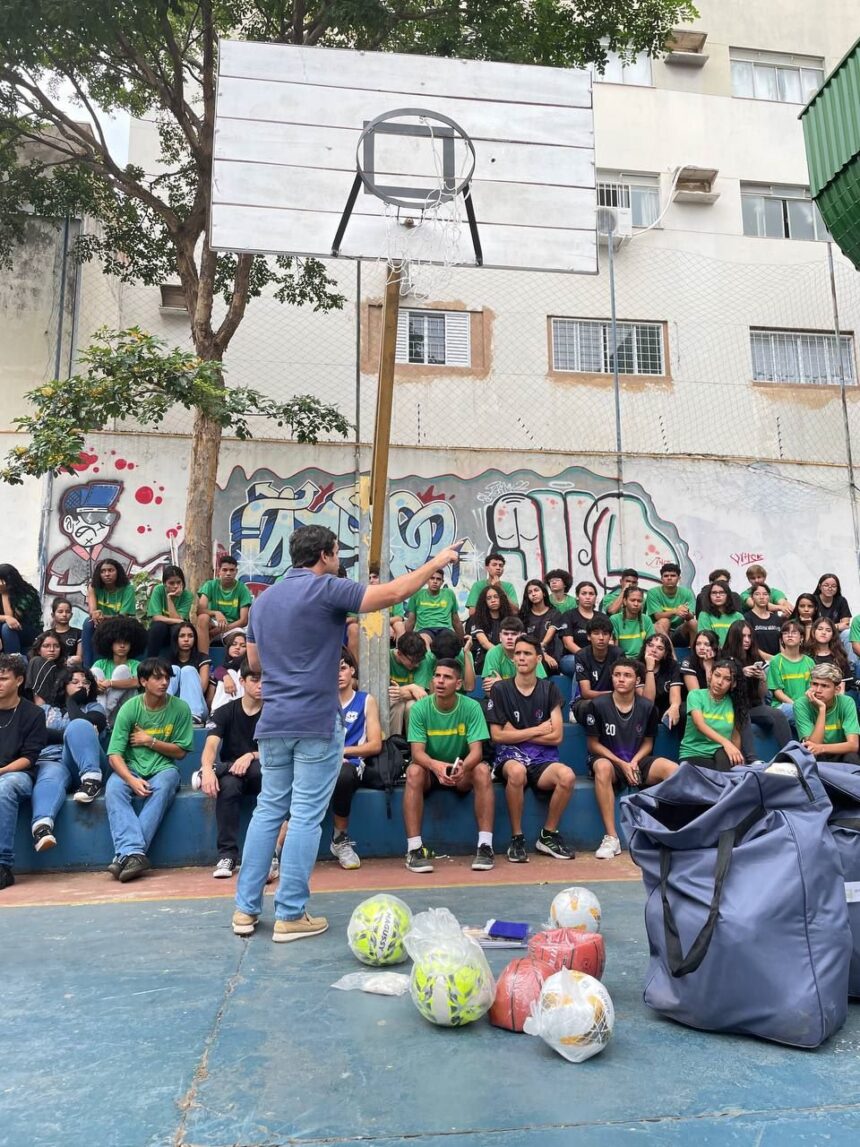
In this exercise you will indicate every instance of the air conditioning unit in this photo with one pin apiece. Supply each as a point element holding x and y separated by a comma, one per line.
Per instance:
<point>615,223</point>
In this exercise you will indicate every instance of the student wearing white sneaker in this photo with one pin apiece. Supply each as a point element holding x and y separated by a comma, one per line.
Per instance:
<point>621,728</point>
<point>363,739</point>
<point>230,765</point>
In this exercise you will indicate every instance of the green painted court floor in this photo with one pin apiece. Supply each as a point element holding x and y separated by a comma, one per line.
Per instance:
<point>149,1023</point>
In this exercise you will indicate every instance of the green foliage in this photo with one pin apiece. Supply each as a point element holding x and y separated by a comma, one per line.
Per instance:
<point>131,375</point>
<point>143,582</point>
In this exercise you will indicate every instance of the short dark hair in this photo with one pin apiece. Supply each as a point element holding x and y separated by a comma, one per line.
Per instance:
<point>446,644</point>
<point>670,567</point>
<point>58,601</point>
<point>719,575</point>
<point>225,559</point>
<point>564,575</point>
<point>154,667</point>
<point>411,645</point>
<point>630,572</point>
<point>791,623</point>
<point>628,663</point>
<point>449,663</point>
<point>13,663</point>
<point>308,542</point>
<point>512,625</point>
<point>245,669</point>
<point>493,555</point>
<point>346,656</point>
<point>599,625</point>
<point>530,640</point>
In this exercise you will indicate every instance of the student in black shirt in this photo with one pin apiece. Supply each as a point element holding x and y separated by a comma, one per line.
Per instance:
<point>697,665</point>
<point>740,646</point>
<point>542,621</point>
<point>526,726</point>
<point>765,621</point>
<point>234,771</point>
<point>663,686</point>
<point>575,637</point>
<point>831,603</point>
<point>593,671</point>
<point>22,738</point>
<point>61,624</point>
<point>621,731</point>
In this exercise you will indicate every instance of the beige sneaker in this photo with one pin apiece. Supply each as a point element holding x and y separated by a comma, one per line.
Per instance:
<point>243,924</point>
<point>286,930</point>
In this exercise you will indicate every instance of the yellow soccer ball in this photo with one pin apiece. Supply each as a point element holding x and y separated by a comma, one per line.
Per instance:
<point>377,929</point>
<point>450,991</point>
<point>576,908</point>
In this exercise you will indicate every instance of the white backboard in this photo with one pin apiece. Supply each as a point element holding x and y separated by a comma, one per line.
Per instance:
<point>288,120</point>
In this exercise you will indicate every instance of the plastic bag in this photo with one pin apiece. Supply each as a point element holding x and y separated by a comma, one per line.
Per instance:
<point>564,948</point>
<point>379,983</point>
<point>451,983</point>
<point>574,1015</point>
<point>576,908</point>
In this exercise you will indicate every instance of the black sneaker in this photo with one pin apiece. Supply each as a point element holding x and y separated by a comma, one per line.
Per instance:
<point>484,859</point>
<point>87,793</point>
<point>43,838</point>
<point>551,844</point>
<point>133,866</point>
<point>115,866</point>
<point>7,876</point>
<point>517,853</point>
<point>420,859</point>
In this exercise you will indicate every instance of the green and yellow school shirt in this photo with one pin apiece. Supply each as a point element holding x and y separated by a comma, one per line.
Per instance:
<point>840,720</point>
<point>227,601</point>
<point>433,610</point>
<point>171,723</point>
<point>718,624</point>
<point>792,677</point>
<point>631,633</point>
<point>566,603</point>
<point>400,674</point>
<point>107,667</point>
<point>157,604</point>
<point>112,602</point>
<point>717,715</point>
<point>447,735</point>
<point>498,664</point>
<point>656,600</point>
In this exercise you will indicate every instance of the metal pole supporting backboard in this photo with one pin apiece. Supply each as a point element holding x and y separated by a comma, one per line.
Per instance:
<point>384,403</point>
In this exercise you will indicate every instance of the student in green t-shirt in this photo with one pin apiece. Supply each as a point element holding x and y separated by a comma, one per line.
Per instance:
<point>672,607</point>
<point>446,734</point>
<point>715,717</point>
<point>611,602</point>
<point>826,720</point>
<point>718,613</point>
<point>559,583</point>
<point>498,664</point>
<point>120,643</point>
<point>152,732</point>
<point>631,625</point>
<point>403,690</point>
<point>223,603</point>
<point>494,565</point>
<point>168,606</point>
<point>777,601</point>
<point>433,610</point>
<point>109,594</point>
<point>788,673</point>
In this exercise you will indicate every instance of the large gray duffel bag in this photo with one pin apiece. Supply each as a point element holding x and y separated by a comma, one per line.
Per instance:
<point>746,915</point>
<point>842,785</point>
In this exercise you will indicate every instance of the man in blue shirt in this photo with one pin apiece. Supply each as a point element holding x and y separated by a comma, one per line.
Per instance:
<point>295,637</point>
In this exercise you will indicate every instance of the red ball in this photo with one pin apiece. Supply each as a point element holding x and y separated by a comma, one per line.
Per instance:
<point>564,948</point>
<point>517,988</point>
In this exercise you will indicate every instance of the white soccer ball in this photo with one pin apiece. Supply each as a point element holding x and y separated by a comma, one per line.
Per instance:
<point>576,908</point>
<point>575,1015</point>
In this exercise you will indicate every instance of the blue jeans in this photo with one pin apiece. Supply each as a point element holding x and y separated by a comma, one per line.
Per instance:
<point>133,832</point>
<point>14,788</point>
<point>186,683</point>
<point>82,757</point>
<point>299,775</point>
<point>14,640</point>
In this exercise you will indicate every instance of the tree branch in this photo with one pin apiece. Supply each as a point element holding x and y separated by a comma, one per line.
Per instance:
<point>238,303</point>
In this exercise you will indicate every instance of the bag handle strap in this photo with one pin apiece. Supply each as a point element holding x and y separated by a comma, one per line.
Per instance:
<point>679,964</point>
<point>845,822</point>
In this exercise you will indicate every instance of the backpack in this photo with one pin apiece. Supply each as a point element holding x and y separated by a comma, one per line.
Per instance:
<point>387,768</point>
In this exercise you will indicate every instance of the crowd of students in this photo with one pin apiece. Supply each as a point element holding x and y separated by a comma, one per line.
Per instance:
<point>112,706</point>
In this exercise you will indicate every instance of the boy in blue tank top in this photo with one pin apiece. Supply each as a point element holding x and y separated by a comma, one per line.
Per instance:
<point>363,739</point>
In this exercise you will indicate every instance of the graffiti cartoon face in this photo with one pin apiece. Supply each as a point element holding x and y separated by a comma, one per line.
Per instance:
<point>88,528</point>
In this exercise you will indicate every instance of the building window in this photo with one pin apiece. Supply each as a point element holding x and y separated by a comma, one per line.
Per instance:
<point>781,213</point>
<point>636,72</point>
<point>585,346</point>
<point>639,194</point>
<point>770,76</point>
<point>434,338</point>
<point>795,356</point>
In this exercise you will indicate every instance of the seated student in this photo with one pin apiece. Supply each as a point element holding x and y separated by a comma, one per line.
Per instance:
<point>46,661</point>
<point>740,646</point>
<point>483,626</point>
<point>61,626</point>
<point>718,614</point>
<point>715,717</point>
<point>120,642</point>
<point>21,616</point>
<point>396,613</point>
<point>824,645</point>
<point>494,565</point>
<point>671,606</point>
<point>363,739</point>
<point>621,728</point>
<point>190,667</point>
<point>612,602</point>
<point>498,665</point>
<point>826,720</point>
<point>446,645</point>
<point>433,609</point>
<point>724,577</point>
<point>223,603</point>
<point>697,665</point>
<point>559,583</point>
<point>447,731</point>
<point>630,624</point>
<point>789,671</point>
<point>73,755</point>
<point>662,682</point>
<point>593,672</point>
<point>542,622</point>
<point>764,619</point>
<point>806,612</point>
<point>526,727</point>
<point>575,636</point>
<point>152,732</point>
<point>776,599</point>
<point>110,594</point>
<point>831,603</point>
<point>403,690</point>
<point>230,766</point>
<point>22,739</point>
<point>225,681</point>
<point>169,605</point>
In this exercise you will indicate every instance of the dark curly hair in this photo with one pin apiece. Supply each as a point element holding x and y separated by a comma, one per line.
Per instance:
<point>120,628</point>
<point>64,677</point>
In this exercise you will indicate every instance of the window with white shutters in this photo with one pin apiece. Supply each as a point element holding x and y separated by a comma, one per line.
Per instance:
<point>434,338</point>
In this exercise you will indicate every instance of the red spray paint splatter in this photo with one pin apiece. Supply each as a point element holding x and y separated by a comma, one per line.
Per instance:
<point>144,495</point>
<point>84,461</point>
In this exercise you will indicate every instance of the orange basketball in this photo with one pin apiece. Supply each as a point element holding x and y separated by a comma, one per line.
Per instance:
<point>517,988</point>
<point>564,948</point>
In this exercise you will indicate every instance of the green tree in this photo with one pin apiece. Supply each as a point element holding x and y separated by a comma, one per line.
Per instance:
<point>158,59</point>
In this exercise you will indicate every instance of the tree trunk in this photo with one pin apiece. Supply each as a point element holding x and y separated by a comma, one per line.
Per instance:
<point>200,501</point>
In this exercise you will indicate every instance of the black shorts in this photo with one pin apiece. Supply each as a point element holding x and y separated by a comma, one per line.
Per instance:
<point>619,781</point>
<point>533,774</point>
